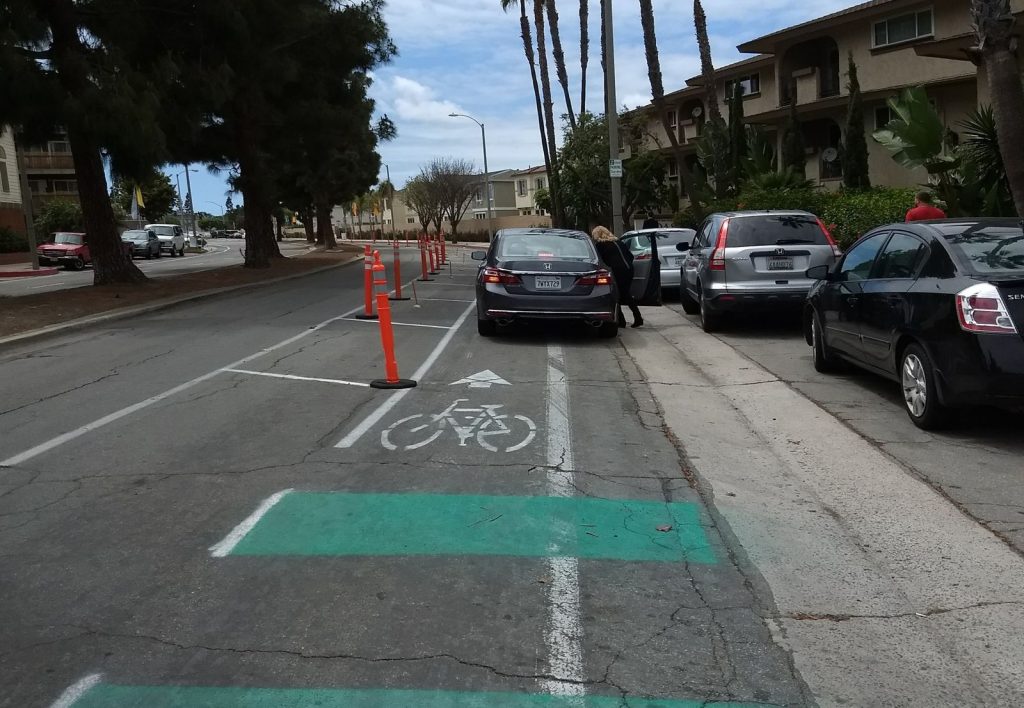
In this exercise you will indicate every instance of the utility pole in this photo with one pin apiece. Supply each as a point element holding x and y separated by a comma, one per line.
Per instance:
<point>194,237</point>
<point>26,207</point>
<point>612,115</point>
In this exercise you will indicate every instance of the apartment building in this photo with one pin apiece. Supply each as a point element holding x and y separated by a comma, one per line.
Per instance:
<point>527,183</point>
<point>11,215</point>
<point>895,44</point>
<point>50,171</point>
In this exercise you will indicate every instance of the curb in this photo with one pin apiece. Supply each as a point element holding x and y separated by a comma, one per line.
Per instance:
<point>27,273</point>
<point>159,305</point>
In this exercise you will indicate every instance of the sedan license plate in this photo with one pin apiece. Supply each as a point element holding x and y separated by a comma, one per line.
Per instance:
<point>547,283</point>
<point>780,264</point>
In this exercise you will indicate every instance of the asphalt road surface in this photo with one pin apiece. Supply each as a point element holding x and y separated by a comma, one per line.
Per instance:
<point>221,253</point>
<point>210,506</point>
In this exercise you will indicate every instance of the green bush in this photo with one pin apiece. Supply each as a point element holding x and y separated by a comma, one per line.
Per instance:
<point>848,214</point>
<point>59,215</point>
<point>11,242</point>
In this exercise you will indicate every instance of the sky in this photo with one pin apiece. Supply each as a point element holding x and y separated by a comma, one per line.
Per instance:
<point>466,56</point>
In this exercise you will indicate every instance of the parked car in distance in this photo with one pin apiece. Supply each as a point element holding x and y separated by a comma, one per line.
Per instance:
<point>670,260</point>
<point>552,274</point>
<point>143,243</point>
<point>937,306</point>
<point>69,249</point>
<point>172,237</point>
<point>752,260</point>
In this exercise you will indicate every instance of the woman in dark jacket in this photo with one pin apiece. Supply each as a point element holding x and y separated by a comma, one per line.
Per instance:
<point>618,258</point>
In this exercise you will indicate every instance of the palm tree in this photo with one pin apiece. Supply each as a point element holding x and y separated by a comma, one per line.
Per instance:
<point>715,123</point>
<point>584,51</point>
<point>549,116</point>
<point>559,55</point>
<point>994,24</point>
<point>658,95</point>
<point>524,25</point>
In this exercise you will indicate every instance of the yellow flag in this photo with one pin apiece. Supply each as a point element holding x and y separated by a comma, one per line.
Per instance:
<point>138,197</point>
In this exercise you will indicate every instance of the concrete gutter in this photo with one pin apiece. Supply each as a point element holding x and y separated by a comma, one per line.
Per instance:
<point>126,312</point>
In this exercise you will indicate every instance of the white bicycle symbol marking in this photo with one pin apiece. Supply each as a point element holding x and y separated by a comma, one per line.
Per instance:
<point>509,432</point>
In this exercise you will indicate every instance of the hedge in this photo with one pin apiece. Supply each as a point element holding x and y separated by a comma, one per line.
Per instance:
<point>11,242</point>
<point>848,214</point>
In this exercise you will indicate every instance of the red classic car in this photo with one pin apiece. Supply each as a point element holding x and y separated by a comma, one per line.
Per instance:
<point>69,249</point>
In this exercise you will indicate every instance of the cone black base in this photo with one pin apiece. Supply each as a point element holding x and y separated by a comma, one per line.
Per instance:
<point>398,299</point>
<point>385,384</point>
<point>367,317</point>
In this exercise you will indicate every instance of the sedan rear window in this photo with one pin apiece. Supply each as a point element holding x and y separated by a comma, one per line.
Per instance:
<point>132,235</point>
<point>540,245</point>
<point>991,249</point>
<point>775,230</point>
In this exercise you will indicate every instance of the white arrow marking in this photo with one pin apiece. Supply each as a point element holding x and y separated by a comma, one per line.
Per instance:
<point>484,379</point>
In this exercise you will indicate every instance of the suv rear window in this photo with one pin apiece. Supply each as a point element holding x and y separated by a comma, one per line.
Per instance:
<point>991,249</point>
<point>164,230</point>
<point>529,246</point>
<point>775,230</point>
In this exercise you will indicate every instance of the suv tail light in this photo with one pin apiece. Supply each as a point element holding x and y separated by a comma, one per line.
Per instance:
<point>836,251</point>
<point>980,308</point>
<point>499,277</point>
<point>718,254</point>
<point>601,277</point>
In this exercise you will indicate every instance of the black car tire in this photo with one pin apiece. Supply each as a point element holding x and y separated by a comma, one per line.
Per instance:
<point>608,330</point>
<point>77,264</point>
<point>917,375</point>
<point>149,254</point>
<point>174,251</point>
<point>825,362</point>
<point>486,328</point>
<point>690,306</point>
<point>182,251</point>
<point>709,321</point>
<point>158,252</point>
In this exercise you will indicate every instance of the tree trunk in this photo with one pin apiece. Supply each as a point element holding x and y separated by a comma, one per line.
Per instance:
<point>584,52</point>
<point>707,70</point>
<point>557,217</point>
<point>559,55</point>
<point>110,262</point>
<point>1007,93</point>
<point>524,24</point>
<point>325,234</point>
<point>685,185</point>
<point>306,214</point>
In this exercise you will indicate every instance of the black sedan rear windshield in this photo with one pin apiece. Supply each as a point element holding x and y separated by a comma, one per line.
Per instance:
<point>990,249</point>
<point>567,246</point>
<point>135,235</point>
<point>775,230</point>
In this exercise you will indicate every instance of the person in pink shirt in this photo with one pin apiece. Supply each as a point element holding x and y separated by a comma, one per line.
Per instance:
<point>924,209</point>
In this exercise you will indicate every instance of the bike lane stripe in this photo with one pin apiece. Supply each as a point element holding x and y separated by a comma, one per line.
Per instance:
<point>105,695</point>
<point>346,524</point>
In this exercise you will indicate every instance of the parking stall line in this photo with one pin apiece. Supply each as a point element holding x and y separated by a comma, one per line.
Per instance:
<point>371,420</point>
<point>396,324</point>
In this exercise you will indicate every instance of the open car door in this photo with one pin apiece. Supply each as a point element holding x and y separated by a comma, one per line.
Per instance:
<point>646,288</point>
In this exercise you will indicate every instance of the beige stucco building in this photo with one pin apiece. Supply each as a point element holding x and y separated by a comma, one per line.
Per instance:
<point>895,44</point>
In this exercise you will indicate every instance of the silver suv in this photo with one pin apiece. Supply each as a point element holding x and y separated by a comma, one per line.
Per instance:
<point>751,260</point>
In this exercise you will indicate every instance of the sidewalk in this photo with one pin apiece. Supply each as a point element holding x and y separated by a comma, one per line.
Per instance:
<point>885,592</point>
<point>24,270</point>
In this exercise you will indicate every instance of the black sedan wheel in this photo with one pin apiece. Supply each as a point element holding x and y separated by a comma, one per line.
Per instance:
<point>486,328</point>
<point>917,378</point>
<point>149,254</point>
<point>608,330</point>
<point>825,362</point>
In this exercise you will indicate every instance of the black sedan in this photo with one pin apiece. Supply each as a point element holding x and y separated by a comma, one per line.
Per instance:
<point>554,274</point>
<point>937,306</point>
<point>143,242</point>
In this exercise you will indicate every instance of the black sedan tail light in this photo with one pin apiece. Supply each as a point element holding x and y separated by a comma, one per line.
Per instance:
<point>499,277</point>
<point>980,308</point>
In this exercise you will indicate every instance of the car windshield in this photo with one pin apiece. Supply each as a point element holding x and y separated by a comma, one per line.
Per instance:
<point>164,231</point>
<point>775,230</point>
<point>990,249</point>
<point>135,236</point>
<point>530,246</point>
<point>70,239</point>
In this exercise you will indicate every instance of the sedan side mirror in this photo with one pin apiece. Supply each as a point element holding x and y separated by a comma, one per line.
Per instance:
<point>819,272</point>
<point>683,246</point>
<point>478,255</point>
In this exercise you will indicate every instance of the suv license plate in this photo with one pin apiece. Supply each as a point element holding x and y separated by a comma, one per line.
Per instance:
<point>780,264</point>
<point>547,283</point>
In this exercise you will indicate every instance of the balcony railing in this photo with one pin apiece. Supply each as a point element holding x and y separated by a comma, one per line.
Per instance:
<point>48,161</point>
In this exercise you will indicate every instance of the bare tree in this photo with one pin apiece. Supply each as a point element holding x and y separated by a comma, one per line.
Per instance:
<point>456,186</point>
<point>423,196</point>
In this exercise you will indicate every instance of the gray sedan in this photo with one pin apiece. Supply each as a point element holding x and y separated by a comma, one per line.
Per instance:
<point>144,242</point>
<point>669,259</point>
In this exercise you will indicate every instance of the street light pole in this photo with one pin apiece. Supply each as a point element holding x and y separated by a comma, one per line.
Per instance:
<point>612,116</point>
<point>391,192</point>
<point>181,200</point>
<point>194,238</point>
<point>487,174</point>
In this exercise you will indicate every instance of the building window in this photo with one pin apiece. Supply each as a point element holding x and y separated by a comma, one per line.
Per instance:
<point>883,114</point>
<point>673,168</point>
<point>904,28</point>
<point>5,181</point>
<point>59,146</point>
<point>540,183</point>
<point>411,219</point>
<point>750,85</point>
<point>671,119</point>
<point>521,187</point>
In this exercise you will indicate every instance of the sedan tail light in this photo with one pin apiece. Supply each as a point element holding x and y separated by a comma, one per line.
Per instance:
<point>601,277</point>
<point>980,308</point>
<point>718,255</point>
<point>836,251</point>
<point>499,277</point>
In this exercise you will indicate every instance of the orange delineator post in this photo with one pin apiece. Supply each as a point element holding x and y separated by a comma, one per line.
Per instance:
<point>367,285</point>
<point>391,379</point>
<point>423,260</point>
<point>432,254</point>
<point>398,276</point>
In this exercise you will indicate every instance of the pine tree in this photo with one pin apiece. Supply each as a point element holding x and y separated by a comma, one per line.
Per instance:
<point>737,136</point>
<point>794,155</point>
<point>855,149</point>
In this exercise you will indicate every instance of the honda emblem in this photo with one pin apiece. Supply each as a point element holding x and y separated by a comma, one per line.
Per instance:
<point>547,266</point>
<point>780,251</point>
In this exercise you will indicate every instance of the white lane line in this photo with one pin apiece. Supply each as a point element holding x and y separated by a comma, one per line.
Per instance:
<point>76,691</point>
<point>564,635</point>
<point>443,299</point>
<point>291,377</point>
<point>225,547</point>
<point>371,420</point>
<point>396,324</point>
